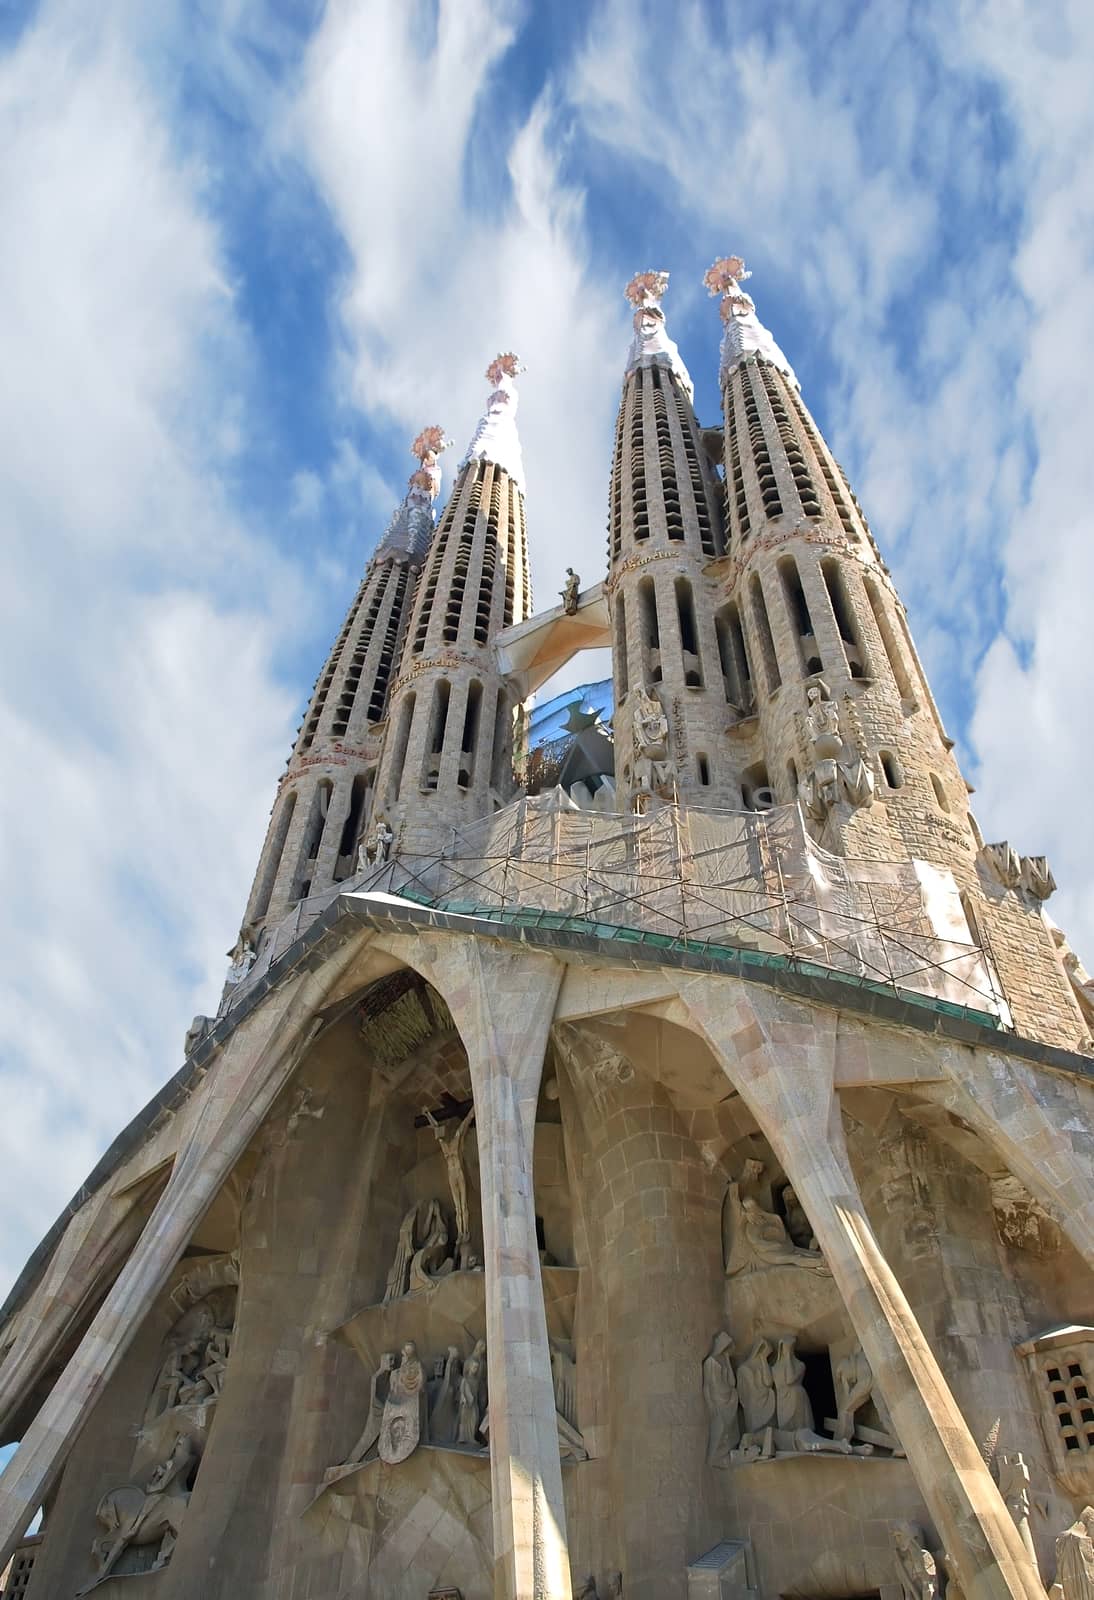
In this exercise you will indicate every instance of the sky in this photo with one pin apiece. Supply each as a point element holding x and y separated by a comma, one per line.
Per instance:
<point>252,246</point>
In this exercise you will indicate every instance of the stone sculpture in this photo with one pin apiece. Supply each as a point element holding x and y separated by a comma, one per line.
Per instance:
<point>444,1416</point>
<point>835,773</point>
<point>153,1515</point>
<point>242,959</point>
<point>917,1572</point>
<point>1037,879</point>
<point>1013,1477</point>
<point>570,592</point>
<point>451,1145</point>
<point>793,1411</point>
<point>1082,984</point>
<point>1002,863</point>
<point>797,1223</point>
<point>430,1262</point>
<point>722,1402</point>
<point>378,1392</point>
<point>653,776</point>
<point>470,1403</point>
<point>375,848</point>
<point>756,1391</point>
<point>853,1381</point>
<point>758,1239</point>
<point>1075,1560</point>
<point>402,1426</point>
<point>404,1252</point>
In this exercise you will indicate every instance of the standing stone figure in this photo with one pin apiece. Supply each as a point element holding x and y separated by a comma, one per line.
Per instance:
<point>470,1408</point>
<point>452,1149</point>
<point>404,1253</point>
<point>381,1378</point>
<point>722,1402</point>
<point>444,1418</point>
<point>917,1572</point>
<point>1014,1487</point>
<point>1075,1558</point>
<point>402,1426</point>
<point>570,592</point>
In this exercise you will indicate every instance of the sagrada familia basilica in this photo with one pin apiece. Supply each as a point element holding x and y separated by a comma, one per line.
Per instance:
<point>675,1178</point>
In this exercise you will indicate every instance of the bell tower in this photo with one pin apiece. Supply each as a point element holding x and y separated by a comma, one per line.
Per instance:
<point>448,756</point>
<point>664,527</point>
<point>835,709</point>
<point>325,796</point>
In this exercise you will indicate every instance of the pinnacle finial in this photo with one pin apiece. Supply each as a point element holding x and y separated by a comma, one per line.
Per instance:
<point>505,365</point>
<point>430,442</point>
<point>427,447</point>
<point>646,290</point>
<point>725,277</point>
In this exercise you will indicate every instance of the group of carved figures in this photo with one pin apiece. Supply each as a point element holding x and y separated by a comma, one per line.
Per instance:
<point>407,1409</point>
<point>193,1374</point>
<point>375,847</point>
<point>834,773</point>
<point>759,1408</point>
<point>918,1570</point>
<point>141,1519</point>
<point>422,1253</point>
<point>757,1238</point>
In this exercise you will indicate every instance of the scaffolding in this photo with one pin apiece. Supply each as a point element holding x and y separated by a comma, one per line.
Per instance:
<point>700,878</point>
<point>694,879</point>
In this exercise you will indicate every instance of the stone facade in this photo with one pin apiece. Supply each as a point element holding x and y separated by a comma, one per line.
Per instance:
<point>598,1211</point>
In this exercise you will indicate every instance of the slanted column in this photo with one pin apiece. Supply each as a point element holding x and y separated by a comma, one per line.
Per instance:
<point>244,1081</point>
<point>780,1057</point>
<point>1038,1122</point>
<point>503,1004</point>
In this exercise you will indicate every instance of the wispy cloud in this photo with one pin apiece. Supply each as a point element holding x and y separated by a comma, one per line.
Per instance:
<point>142,725</point>
<point>438,282</point>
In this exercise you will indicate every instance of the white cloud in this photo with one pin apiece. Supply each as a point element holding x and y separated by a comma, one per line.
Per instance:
<point>142,725</point>
<point>438,285</point>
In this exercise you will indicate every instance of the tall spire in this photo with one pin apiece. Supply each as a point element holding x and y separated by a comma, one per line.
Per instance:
<point>495,438</point>
<point>411,527</point>
<point>651,345</point>
<point>744,333</point>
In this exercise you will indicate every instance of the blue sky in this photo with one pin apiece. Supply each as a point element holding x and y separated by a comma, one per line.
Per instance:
<point>252,246</point>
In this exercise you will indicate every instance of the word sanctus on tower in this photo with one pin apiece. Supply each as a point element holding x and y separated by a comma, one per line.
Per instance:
<point>660,1165</point>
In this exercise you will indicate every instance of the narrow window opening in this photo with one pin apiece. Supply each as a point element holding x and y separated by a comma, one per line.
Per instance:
<point>651,632</point>
<point>689,635</point>
<point>798,607</point>
<point>733,658</point>
<point>763,628</point>
<point>313,837</point>
<point>470,734</point>
<point>891,769</point>
<point>756,790</point>
<point>703,767</point>
<point>273,859</point>
<point>891,645</point>
<point>438,724</point>
<point>846,621</point>
<point>398,762</point>
<point>939,792</point>
<point>792,778</point>
<point>352,826</point>
<point>501,760</point>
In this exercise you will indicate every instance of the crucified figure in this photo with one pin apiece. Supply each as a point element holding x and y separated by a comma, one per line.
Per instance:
<point>452,1149</point>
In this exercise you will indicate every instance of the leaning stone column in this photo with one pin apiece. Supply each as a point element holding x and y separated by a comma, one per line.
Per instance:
<point>502,1003</point>
<point>246,1079</point>
<point>1038,1121</point>
<point>780,1056</point>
